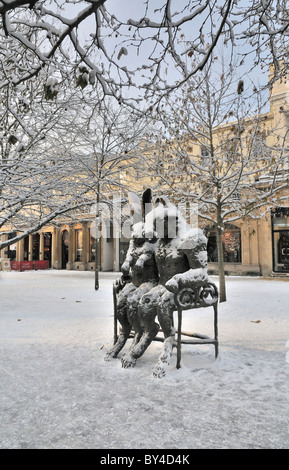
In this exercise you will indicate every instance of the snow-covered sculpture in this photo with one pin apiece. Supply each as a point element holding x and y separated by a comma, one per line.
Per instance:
<point>181,260</point>
<point>139,276</point>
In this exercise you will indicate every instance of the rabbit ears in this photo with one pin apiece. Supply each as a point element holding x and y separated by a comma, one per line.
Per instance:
<point>140,207</point>
<point>146,202</point>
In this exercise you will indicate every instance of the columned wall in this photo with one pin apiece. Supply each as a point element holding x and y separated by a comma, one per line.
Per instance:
<point>71,247</point>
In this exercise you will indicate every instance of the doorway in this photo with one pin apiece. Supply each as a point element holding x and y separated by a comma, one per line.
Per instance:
<point>35,246</point>
<point>65,248</point>
<point>280,239</point>
<point>47,247</point>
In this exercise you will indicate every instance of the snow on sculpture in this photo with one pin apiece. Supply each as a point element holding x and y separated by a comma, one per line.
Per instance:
<point>181,260</point>
<point>139,275</point>
<point>165,256</point>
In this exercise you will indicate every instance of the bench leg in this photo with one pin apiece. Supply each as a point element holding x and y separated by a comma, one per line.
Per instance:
<point>179,344</point>
<point>115,326</point>
<point>216,330</point>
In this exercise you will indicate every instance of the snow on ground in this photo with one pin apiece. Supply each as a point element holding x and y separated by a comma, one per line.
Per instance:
<point>57,392</point>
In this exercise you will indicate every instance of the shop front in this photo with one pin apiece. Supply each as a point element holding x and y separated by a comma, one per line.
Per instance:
<point>32,252</point>
<point>280,239</point>
<point>232,250</point>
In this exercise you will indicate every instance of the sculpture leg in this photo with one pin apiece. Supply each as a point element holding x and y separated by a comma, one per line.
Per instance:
<point>122,316</point>
<point>165,317</point>
<point>133,302</point>
<point>134,319</point>
<point>147,312</point>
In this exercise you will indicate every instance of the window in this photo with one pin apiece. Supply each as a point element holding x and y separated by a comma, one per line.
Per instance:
<point>236,195</point>
<point>78,245</point>
<point>204,151</point>
<point>205,156</point>
<point>280,237</point>
<point>259,148</point>
<point>231,240</point>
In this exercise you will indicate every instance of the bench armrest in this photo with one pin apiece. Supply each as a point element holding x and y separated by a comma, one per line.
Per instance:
<point>197,296</point>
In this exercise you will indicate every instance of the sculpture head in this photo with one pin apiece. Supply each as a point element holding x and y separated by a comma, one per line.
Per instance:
<point>166,220</point>
<point>138,234</point>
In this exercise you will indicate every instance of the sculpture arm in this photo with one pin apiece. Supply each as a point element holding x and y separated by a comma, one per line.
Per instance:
<point>128,262</point>
<point>194,248</point>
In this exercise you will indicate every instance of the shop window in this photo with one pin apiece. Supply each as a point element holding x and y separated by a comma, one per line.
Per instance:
<point>231,240</point>
<point>280,237</point>
<point>78,244</point>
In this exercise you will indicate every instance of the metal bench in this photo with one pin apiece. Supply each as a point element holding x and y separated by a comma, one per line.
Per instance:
<point>196,296</point>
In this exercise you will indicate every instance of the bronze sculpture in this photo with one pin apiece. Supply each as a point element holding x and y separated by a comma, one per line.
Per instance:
<point>139,275</point>
<point>181,259</point>
<point>177,260</point>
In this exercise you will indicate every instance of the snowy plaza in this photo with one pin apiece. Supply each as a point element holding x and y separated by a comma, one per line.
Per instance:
<point>57,392</point>
<point>144,176</point>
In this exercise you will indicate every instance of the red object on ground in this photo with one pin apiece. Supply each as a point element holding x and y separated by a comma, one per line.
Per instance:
<point>41,264</point>
<point>26,265</point>
<point>14,265</point>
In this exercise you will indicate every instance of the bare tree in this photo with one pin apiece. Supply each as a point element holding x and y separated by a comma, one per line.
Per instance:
<point>218,154</point>
<point>62,156</point>
<point>57,151</point>
<point>29,176</point>
<point>105,142</point>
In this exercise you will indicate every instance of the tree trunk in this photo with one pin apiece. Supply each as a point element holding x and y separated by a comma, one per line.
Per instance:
<point>96,276</point>
<point>97,222</point>
<point>222,281</point>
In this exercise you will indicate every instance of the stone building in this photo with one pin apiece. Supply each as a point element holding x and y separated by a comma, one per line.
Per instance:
<point>251,246</point>
<point>261,246</point>
<point>67,246</point>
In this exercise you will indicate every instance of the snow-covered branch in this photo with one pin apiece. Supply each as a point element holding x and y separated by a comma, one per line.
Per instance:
<point>130,54</point>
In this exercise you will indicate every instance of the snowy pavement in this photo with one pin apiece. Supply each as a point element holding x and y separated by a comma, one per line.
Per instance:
<point>57,392</point>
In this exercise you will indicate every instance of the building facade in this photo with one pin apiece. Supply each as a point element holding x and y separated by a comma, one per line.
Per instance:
<point>255,247</point>
<point>67,246</point>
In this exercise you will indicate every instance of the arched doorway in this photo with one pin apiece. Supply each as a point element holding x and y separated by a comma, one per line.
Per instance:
<point>65,248</point>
